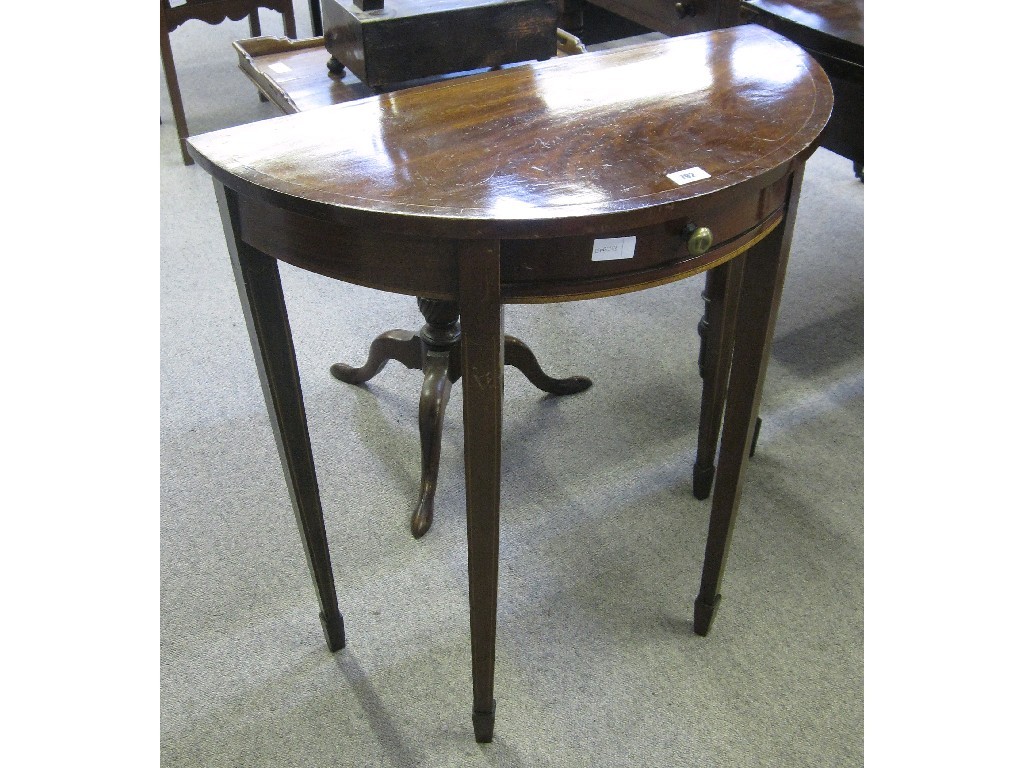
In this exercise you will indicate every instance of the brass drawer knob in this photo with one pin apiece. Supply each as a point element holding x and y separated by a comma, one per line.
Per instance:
<point>685,9</point>
<point>700,241</point>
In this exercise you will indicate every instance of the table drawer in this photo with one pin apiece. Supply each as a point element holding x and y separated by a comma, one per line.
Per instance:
<point>584,267</point>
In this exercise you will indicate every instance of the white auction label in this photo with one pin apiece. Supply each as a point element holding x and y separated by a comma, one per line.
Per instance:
<point>279,67</point>
<point>613,248</point>
<point>690,174</point>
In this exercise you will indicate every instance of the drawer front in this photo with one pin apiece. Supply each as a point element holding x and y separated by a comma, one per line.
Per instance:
<point>569,268</point>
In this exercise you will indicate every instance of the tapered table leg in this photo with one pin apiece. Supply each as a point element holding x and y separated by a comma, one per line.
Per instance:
<point>721,293</point>
<point>483,381</point>
<point>259,288</point>
<point>760,294</point>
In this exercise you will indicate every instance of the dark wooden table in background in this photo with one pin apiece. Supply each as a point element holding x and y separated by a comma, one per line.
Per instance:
<point>832,31</point>
<point>679,157</point>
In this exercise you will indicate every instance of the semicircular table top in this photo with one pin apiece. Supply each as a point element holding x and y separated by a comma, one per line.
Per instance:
<point>545,148</point>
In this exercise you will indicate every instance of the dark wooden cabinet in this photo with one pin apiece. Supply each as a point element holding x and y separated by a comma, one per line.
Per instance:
<point>675,17</point>
<point>395,41</point>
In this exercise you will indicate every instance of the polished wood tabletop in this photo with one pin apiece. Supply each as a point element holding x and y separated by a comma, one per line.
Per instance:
<point>568,179</point>
<point>566,146</point>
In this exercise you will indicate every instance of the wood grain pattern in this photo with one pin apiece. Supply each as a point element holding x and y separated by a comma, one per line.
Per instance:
<point>536,270</point>
<point>570,146</point>
<point>400,263</point>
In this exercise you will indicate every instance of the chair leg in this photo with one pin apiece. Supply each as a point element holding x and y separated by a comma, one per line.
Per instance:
<point>316,18</point>
<point>289,22</point>
<point>254,23</point>
<point>256,31</point>
<point>171,78</point>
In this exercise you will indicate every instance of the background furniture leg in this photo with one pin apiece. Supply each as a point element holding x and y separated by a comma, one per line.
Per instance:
<point>403,346</point>
<point>255,31</point>
<point>288,17</point>
<point>316,18</point>
<point>520,356</point>
<point>259,288</point>
<point>434,396</point>
<point>436,351</point>
<point>173,89</point>
<point>483,379</point>
<point>570,15</point>
<point>760,294</point>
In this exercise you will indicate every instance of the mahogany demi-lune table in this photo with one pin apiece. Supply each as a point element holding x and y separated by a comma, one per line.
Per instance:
<point>574,178</point>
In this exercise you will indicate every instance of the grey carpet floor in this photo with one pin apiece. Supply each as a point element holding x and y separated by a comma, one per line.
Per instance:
<point>602,540</point>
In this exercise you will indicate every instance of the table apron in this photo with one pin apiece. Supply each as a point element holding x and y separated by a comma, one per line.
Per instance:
<point>532,270</point>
